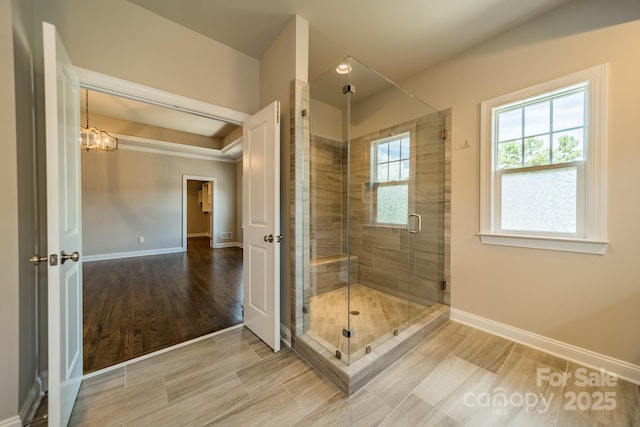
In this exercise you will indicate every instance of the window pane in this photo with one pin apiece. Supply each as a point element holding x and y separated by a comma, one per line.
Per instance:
<point>394,150</point>
<point>383,173</point>
<point>383,153</point>
<point>404,172</point>
<point>540,201</point>
<point>394,171</point>
<point>406,148</point>
<point>510,155</point>
<point>392,204</point>
<point>568,111</point>
<point>537,118</point>
<point>510,125</point>
<point>567,146</point>
<point>537,151</point>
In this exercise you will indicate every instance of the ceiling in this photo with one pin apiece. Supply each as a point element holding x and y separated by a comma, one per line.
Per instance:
<point>149,114</point>
<point>397,38</point>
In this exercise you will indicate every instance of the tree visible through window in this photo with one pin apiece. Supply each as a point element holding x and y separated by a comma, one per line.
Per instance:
<point>390,169</point>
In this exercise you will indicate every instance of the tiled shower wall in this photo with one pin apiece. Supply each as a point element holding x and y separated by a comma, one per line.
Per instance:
<point>382,252</point>
<point>327,169</point>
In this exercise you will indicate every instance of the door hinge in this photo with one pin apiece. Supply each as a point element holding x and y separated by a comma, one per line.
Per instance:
<point>278,113</point>
<point>443,285</point>
<point>445,134</point>
<point>348,89</point>
<point>349,333</point>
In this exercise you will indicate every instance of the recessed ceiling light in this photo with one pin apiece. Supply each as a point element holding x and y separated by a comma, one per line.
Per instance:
<point>343,68</point>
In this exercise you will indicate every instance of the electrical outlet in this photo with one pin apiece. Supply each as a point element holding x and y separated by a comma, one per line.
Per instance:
<point>140,239</point>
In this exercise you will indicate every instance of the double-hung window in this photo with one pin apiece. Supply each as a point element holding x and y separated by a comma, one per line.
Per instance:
<point>543,165</point>
<point>390,170</point>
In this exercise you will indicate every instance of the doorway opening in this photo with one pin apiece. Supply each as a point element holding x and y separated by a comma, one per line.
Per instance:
<point>140,301</point>
<point>198,209</point>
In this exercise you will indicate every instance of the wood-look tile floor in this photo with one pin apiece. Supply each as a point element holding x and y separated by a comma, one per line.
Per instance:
<point>135,306</point>
<point>372,314</point>
<point>233,379</point>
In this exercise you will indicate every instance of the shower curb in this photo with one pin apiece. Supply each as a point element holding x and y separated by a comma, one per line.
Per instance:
<point>350,378</point>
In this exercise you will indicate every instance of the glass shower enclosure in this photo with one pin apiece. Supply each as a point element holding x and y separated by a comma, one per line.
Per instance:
<point>375,228</point>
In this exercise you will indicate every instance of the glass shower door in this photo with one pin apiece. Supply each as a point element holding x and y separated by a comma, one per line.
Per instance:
<point>425,221</point>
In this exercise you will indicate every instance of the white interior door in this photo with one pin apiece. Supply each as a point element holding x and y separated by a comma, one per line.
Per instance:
<point>64,233</point>
<point>261,219</point>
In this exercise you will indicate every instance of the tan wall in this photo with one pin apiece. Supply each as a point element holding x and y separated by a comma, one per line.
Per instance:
<point>127,194</point>
<point>145,48</point>
<point>32,345</point>
<point>326,120</point>
<point>327,185</point>
<point>589,301</point>
<point>9,280</point>
<point>198,222</point>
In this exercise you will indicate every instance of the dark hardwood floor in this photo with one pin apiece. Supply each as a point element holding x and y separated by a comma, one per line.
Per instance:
<point>134,306</point>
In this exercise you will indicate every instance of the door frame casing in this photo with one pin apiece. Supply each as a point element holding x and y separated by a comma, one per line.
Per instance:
<point>115,86</point>
<point>214,205</point>
<point>138,92</point>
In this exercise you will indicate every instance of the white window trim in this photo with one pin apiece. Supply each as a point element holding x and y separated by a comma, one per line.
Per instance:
<point>373,210</point>
<point>595,241</point>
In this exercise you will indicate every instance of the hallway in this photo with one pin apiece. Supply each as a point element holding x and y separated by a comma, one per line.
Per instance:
<point>135,306</point>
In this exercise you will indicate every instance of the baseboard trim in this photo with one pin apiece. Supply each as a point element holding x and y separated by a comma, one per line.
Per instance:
<point>228,245</point>
<point>198,235</point>
<point>11,422</point>
<point>285,335</point>
<point>624,370</point>
<point>131,254</point>
<point>155,353</point>
<point>28,410</point>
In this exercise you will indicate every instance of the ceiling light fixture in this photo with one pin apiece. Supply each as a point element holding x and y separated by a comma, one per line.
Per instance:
<point>343,68</point>
<point>94,139</point>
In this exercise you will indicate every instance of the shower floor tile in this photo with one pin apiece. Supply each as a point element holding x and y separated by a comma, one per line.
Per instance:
<point>374,316</point>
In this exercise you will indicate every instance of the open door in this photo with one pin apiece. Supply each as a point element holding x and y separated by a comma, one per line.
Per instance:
<point>212,236</point>
<point>64,222</point>
<point>261,219</point>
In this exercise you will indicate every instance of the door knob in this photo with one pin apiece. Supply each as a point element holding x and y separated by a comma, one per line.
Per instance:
<point>279,238</point>
<point>268,238</point>
<point>75,256</point>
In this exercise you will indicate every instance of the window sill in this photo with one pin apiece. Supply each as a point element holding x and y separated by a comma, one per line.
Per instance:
<point>546,243</point>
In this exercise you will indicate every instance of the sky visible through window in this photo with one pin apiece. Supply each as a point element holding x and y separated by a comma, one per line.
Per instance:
<point>392,159</point>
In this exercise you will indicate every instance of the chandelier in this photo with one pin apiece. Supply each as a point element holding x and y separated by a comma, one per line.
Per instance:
<point>94,139</point>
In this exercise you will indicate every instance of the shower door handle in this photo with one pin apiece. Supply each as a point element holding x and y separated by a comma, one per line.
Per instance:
<point>410,229</point>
